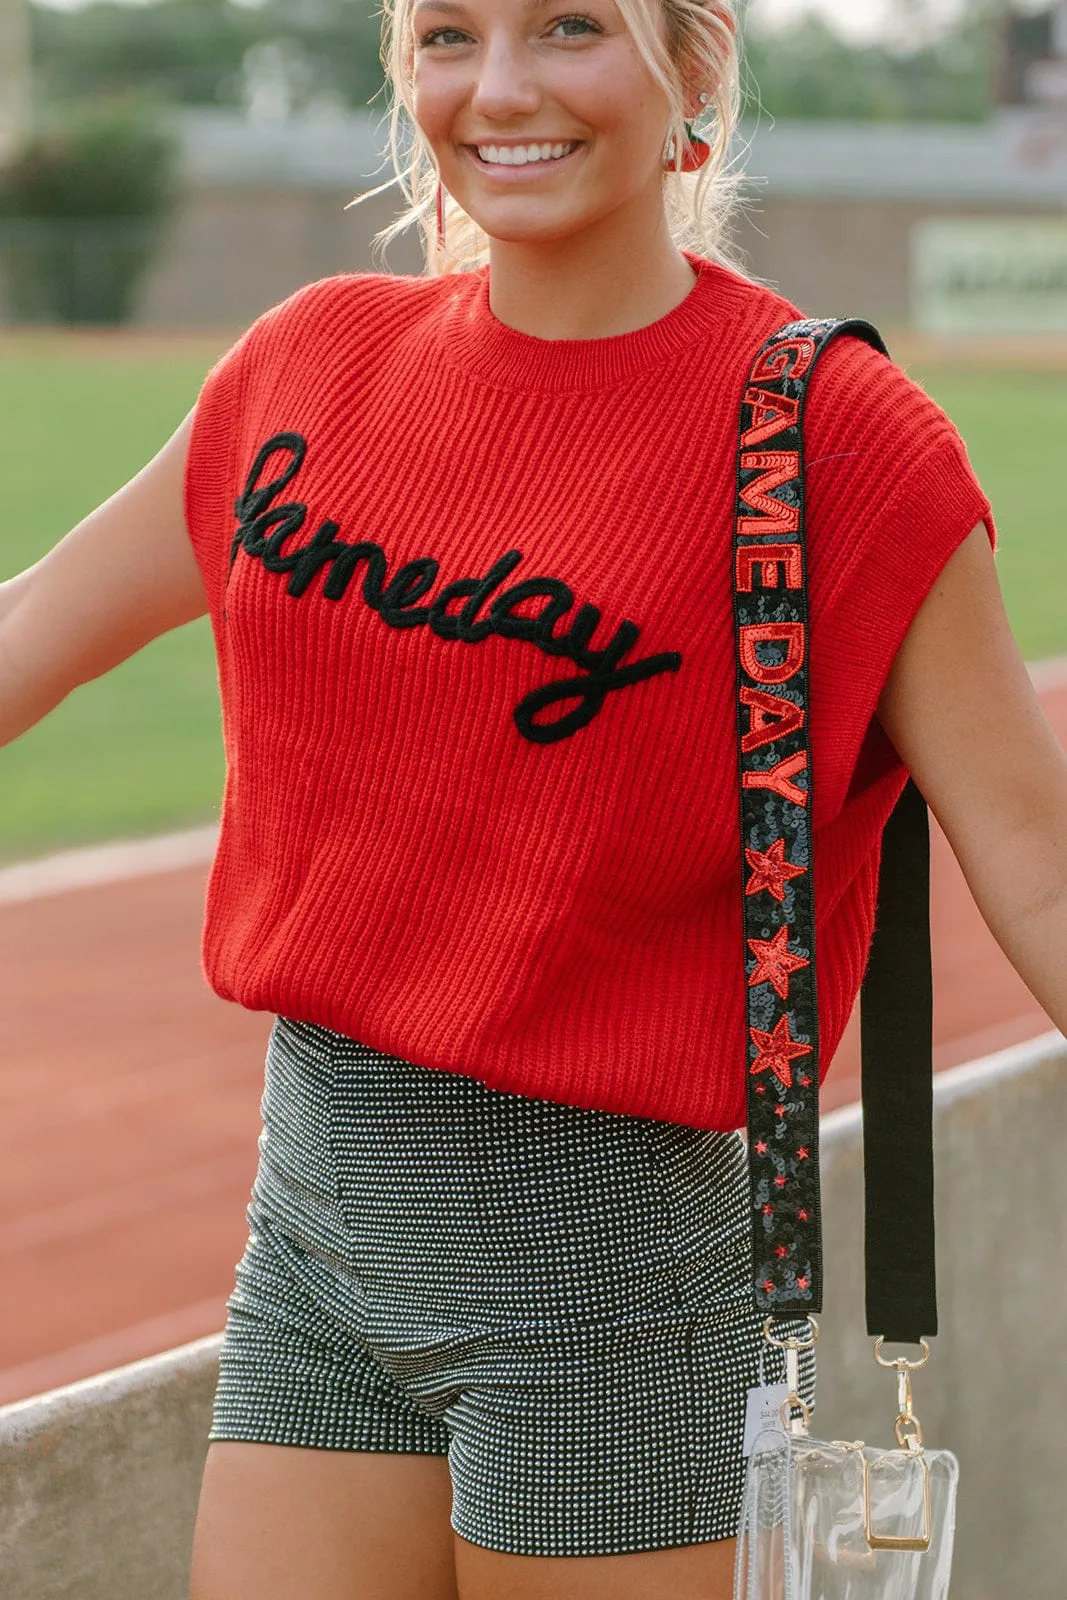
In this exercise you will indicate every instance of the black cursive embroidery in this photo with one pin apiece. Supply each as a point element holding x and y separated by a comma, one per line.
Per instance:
<point>264,525</point>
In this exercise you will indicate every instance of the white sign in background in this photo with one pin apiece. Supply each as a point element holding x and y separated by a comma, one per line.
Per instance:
<point>990,275</point>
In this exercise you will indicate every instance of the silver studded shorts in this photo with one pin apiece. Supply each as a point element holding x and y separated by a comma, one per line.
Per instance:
<point>554,1298</point>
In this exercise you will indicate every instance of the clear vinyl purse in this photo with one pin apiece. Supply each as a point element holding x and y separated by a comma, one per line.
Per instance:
<point>825,1519</point>
<point>843,1520</point>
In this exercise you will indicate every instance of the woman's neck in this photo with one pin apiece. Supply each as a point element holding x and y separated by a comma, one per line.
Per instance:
<point>581,288</point>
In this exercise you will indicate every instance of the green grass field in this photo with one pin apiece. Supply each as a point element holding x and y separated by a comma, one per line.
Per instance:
<point>1014,424</point>
<point>139,751</point>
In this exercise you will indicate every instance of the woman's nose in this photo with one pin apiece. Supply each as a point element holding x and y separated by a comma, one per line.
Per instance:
<point>505,85</point>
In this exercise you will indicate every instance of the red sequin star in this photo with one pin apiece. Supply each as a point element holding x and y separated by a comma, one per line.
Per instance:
<point>771,871</point>
<point>776,1051</point>
<point>802,1216</point>
<point>781,1252</point>
<point>803,1153</point>
<point>768,1211</point>
<point>781,1182</point>
<point>768,1285</point>
<point>775,961</point>
<point>802,1283</point>
<point>762,1147</point>
<point>805,1083</point>
<point>780,1111</point>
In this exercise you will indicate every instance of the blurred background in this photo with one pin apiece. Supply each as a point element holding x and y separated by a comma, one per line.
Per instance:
<point>183,164</point>
<point>167,171</point>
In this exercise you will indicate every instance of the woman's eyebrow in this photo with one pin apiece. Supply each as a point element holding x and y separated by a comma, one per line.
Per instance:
<point>451,8</point>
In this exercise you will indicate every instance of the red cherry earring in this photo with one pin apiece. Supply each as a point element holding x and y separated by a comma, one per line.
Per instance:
<point>696,150</point>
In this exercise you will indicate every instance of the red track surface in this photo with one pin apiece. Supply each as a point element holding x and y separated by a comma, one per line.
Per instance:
<point>129,1104</point>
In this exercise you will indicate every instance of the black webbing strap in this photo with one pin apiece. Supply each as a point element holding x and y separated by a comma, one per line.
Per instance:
<point>775,772</point>
<point>896,1011</point>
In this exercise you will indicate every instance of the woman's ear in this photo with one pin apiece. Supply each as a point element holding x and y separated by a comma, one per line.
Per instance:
<point>696,105</point>
<point>725,15</point>
<point>699,90</point>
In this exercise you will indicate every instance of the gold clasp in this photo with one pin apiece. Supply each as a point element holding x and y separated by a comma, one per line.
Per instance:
<point>796,1425</point>
<point>910,1439</point>
<point>908,1428</point>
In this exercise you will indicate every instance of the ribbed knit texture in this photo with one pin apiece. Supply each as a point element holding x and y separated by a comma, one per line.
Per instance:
<point>397,861</point>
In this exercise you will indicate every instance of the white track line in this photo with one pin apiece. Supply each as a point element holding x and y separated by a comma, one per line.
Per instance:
<point>107,1368</point>
<point>106,863</point>
<point>139,858</point>
<point>1051,674</point>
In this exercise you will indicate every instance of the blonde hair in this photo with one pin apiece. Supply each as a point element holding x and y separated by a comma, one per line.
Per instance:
<point>696,45</point>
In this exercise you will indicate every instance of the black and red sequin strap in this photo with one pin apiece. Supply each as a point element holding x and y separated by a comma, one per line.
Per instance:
<point>775,769</point>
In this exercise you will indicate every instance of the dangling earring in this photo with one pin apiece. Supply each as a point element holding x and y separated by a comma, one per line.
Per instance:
<point>696,150</point>
<point>440,215</point>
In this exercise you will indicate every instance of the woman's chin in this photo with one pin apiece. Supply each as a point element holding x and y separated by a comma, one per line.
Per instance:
<point>520,228</point>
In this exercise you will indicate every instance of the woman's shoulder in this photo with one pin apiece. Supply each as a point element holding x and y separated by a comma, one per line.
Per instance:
<point>351,307</point>
<point>860,399</point>
<point>344,322</point>
<point>865,404</point>
<point>850,372</point>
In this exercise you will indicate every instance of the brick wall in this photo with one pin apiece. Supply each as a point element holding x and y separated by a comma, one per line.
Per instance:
<point>232,251</point>
<point>846,257</point>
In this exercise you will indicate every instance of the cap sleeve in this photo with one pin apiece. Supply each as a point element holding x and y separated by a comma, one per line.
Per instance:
<point>249,371</point>
<point>209,467</point>
<point>891,495</point>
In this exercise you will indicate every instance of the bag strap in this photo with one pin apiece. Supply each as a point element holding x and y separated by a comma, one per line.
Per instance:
<point>896,1029</point>
<point>775,778</point>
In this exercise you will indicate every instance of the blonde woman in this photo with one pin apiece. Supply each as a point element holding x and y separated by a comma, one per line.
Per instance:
<point>464,540</point>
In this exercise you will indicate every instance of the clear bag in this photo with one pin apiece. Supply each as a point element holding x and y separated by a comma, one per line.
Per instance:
<point>826,1520</point>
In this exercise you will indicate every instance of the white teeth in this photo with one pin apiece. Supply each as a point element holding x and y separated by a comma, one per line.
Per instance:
<point>521,155</point>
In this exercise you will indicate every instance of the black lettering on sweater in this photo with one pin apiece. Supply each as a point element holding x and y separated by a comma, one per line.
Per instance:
<point>265,522</point>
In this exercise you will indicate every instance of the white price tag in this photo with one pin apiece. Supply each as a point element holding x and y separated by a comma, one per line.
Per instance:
<point>763,1413</point>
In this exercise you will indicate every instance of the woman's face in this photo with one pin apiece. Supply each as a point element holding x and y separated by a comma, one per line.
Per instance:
<point>542,116</point>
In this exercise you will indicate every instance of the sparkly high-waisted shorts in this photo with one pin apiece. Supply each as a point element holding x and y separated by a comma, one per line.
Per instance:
<point>554,1298</point>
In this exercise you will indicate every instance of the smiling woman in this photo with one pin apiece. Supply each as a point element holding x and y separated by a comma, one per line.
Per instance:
<point>497,1316</point>
<point>672,63</point>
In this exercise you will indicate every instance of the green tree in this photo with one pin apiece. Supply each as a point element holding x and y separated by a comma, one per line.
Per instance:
<point>81,208</point>
<point>926,73</point>
<point>194,52</point>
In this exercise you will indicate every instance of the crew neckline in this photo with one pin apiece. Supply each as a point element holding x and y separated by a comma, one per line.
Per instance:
<point>473,338</point>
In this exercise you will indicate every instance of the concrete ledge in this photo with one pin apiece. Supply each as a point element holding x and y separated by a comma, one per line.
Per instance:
<point>988,1395</point>
<point>99,1480</point>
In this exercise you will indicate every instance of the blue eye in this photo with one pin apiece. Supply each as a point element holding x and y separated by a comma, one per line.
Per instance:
<point>585,24</point>
<point>438,36</point>
<point>574,25</point>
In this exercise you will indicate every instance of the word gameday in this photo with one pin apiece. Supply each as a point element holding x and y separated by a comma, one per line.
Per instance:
<point>264,526</point>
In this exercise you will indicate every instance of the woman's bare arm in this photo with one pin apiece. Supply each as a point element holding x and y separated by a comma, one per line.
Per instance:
<point>123,576</point>
<point>961,712</point>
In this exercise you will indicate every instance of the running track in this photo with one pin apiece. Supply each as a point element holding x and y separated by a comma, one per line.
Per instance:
<point>129,1104</point>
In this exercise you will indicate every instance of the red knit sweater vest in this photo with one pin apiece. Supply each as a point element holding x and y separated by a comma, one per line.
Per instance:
<point>471,599</point>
